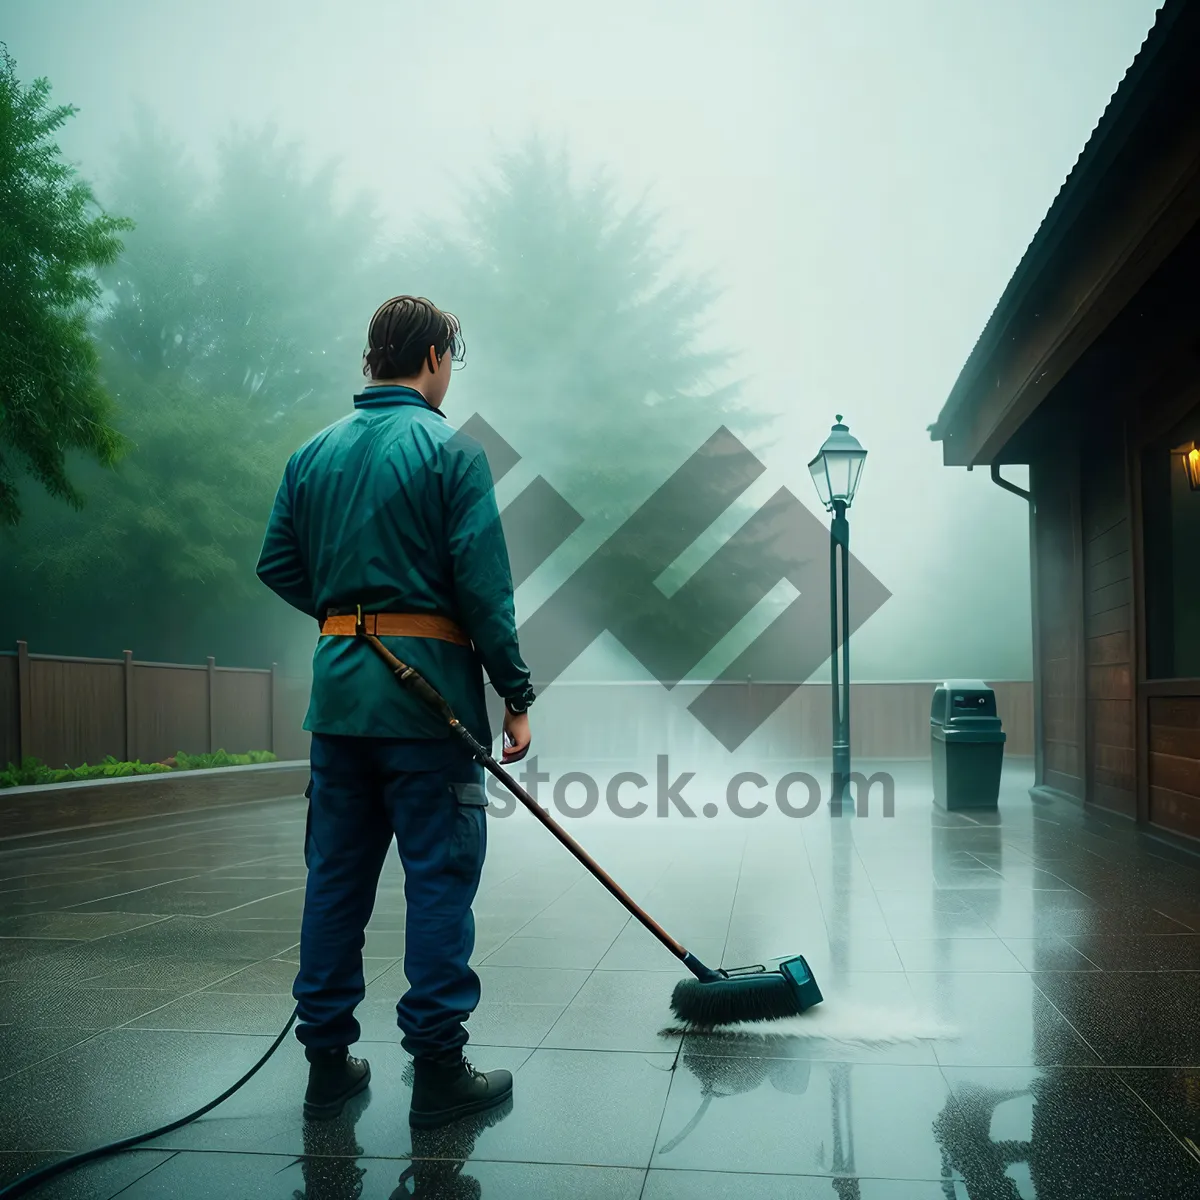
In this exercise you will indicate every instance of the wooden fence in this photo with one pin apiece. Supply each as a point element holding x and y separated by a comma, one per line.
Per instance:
<point>67,711</point>
<point>74,710</point>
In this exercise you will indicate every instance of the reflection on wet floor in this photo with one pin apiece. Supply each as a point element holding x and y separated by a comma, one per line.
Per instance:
<point>1011,1012</point>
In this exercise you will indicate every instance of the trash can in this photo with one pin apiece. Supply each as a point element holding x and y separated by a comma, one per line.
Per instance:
<point>968,745</point>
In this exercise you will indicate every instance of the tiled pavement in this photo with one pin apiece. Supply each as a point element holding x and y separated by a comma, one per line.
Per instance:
<point>1012,1011</point>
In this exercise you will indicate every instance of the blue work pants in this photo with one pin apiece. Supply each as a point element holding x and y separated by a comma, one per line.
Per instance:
<point>428,795</point>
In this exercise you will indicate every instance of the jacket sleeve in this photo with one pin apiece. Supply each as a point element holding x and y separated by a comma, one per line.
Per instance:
<point>482,576</point>
<point>281,564</point>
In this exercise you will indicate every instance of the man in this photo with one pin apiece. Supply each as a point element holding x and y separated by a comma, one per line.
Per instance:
<point>391,513</point>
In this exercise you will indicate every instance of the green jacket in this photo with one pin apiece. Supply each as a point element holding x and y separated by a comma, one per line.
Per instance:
<point>392,509</point>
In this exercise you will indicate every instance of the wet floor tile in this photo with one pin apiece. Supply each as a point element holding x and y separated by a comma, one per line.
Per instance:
<point>1048,954</point>
<point>792,1116</point>
<point>265,1117</point>
<point>383,943</point>
<point>725,1185</point>
<point>234,920</point>
<point>617,1010</point>
<point>83,962</point>
<point>196,1175</point>
<point>910,923</point>
<point>81,1007</point>
<point>267,899</point>
<point>213,1012</point>
<point>178,972</point>
<point>165,901</point>
<point>600,1089</point>
<point>92,1181</point>
<point>1060,1132</point>
<point>1028,920</point>
<point>1185,910</point>
<point>17,953</point>
<point>1173,1093</point>
<point>618,1098</point>
<point>998,1019</point>
<point>956,955</point>
<point>24,1046</point>
<point>498,1023</point>
<point>554,923</point>
<point>529,985</point>
<point>118,1083</point>
<point>637,950</point>
<point>271,976</point>
<point>72,925</point>
<point>1132,1019</point>
<point>569,953</point>
<point>1150,952</point>
<point>824,955</point>
<point>191,936</point>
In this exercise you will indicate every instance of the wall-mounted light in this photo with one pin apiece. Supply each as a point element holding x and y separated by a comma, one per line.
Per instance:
<point>1190,456</point>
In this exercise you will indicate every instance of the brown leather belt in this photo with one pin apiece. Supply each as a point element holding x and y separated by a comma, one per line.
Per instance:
<point>421,625</point>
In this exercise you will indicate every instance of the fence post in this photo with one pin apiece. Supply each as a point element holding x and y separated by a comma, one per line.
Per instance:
<point>129,739</point>
<point>212,702</point>
<point>25,702</point>
<point>272,708</point>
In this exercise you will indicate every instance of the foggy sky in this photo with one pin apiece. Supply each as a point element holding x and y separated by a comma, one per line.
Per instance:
<point>862,176</point>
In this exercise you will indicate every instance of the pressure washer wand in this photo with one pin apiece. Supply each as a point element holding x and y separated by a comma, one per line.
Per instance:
<point>419,686</point>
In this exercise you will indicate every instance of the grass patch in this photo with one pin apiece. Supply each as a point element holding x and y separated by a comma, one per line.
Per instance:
<point>32,771</point>
<point>201,762</point>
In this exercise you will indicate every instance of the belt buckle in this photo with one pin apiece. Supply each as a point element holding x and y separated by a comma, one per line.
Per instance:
<point>359,628</point>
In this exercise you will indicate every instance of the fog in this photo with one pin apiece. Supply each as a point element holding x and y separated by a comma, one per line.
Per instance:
<point>838,191</point>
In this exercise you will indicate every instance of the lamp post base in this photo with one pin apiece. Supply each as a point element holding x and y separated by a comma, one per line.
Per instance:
<point>841,799</point>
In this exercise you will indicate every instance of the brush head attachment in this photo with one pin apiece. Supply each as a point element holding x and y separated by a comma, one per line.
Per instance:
<point>747,994</point>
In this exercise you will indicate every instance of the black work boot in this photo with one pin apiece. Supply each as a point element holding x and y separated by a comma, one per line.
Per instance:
<point>333,1077</point>
<point>445,1089</point>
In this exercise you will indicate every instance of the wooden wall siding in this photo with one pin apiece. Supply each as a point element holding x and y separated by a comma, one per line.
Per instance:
<point>170,707</point>
<point>241,711</point>
<point>1108,617</point>
<point>1059,573</point>
<point>1174,762</point>
<point>74,707</point>
<point>10,711</point>
<point>291,706</point>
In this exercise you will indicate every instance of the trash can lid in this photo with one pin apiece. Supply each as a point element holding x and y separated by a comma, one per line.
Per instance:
<point>964,703</point>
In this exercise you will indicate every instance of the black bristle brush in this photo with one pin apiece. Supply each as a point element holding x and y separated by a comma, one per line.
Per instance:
<point>712,997</point>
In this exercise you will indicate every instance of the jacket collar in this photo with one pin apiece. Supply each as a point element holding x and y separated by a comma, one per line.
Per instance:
<point>392,395</point>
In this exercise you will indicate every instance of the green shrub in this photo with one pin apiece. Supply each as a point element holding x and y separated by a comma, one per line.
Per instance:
<point>32,771</point>
<point>222,758</point>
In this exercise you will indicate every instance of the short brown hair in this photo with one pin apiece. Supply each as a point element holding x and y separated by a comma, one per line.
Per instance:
<point>401,332</point>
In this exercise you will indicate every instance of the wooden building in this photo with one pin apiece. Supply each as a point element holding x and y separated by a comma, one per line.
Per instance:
<point>1089,372</point>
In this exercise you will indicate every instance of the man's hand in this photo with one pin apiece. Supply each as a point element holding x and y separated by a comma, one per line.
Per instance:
<point>516,736</point>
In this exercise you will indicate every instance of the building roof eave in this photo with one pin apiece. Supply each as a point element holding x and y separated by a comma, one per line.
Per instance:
<point>1133,193</point>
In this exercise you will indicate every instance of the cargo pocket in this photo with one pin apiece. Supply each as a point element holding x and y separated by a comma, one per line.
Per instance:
<point>468,839</point>
<point>308,829</point>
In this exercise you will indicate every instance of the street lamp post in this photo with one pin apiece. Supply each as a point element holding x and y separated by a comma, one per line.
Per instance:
<point>836,470</point>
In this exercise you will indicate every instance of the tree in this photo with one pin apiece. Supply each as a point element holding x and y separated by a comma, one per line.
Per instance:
<point>231,329</point>
<point>253,280</point>
<point>52,240</point>
<point>588,348</point>
<point>584,338</point>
